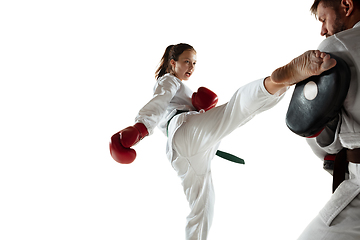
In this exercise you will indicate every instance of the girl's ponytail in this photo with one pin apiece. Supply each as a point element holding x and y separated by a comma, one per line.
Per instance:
<point>164,63</point>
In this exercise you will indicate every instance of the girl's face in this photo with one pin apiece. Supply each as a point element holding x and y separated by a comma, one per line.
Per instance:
<point>185,66</point>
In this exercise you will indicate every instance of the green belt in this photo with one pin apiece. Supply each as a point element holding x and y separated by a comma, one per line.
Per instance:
<point>224,155</point>
<point>230,157</point>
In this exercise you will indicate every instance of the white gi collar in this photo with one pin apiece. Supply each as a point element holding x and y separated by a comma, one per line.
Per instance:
<point>357,25</point>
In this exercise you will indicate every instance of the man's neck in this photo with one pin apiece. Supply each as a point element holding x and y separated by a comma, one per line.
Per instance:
<point>354,18</point>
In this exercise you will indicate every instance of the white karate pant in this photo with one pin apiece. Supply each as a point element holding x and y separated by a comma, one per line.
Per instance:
<point>195,143</point>
<point>340,218</point>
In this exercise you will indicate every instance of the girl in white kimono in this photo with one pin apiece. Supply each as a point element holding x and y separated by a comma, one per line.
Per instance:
<point>195,127</point>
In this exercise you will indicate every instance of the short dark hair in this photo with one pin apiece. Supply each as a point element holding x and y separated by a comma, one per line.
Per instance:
<point>327,3</point>
<point>330,3</point>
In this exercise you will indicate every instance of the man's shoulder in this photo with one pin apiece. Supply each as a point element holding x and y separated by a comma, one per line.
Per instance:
<point>341,41</point>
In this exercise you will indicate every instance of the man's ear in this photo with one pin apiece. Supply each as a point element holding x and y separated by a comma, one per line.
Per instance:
<point>348,7</point>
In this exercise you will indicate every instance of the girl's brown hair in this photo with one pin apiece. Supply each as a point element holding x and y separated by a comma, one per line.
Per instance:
<point>171,52</point>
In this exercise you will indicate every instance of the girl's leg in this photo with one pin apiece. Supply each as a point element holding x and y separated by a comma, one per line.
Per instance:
<point>199,192</point>
<point>202,207</point>
<point>195,144</point>
<point>204,130</point>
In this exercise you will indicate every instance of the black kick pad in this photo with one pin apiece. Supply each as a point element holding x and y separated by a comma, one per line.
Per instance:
<point>318,99</point>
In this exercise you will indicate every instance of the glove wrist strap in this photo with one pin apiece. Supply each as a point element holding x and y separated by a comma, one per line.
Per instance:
<point>142,130</point>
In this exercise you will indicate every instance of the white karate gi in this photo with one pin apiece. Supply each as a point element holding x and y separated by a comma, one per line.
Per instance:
<point>340,218</point>
<point>194,137</point>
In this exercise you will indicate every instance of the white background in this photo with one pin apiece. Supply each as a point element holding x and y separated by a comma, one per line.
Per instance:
<point>75,72</point>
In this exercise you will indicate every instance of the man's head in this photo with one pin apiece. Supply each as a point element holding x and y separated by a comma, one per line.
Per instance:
<point>336,15</point>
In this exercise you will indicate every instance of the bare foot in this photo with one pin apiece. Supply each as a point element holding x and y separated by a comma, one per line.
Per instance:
<point>306,65</point>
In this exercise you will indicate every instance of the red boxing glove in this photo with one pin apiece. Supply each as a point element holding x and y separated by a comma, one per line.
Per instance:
<point>204,99</point>
<point>122,141</point>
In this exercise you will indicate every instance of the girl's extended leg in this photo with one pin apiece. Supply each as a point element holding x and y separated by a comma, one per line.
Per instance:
<point>202,131</point>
